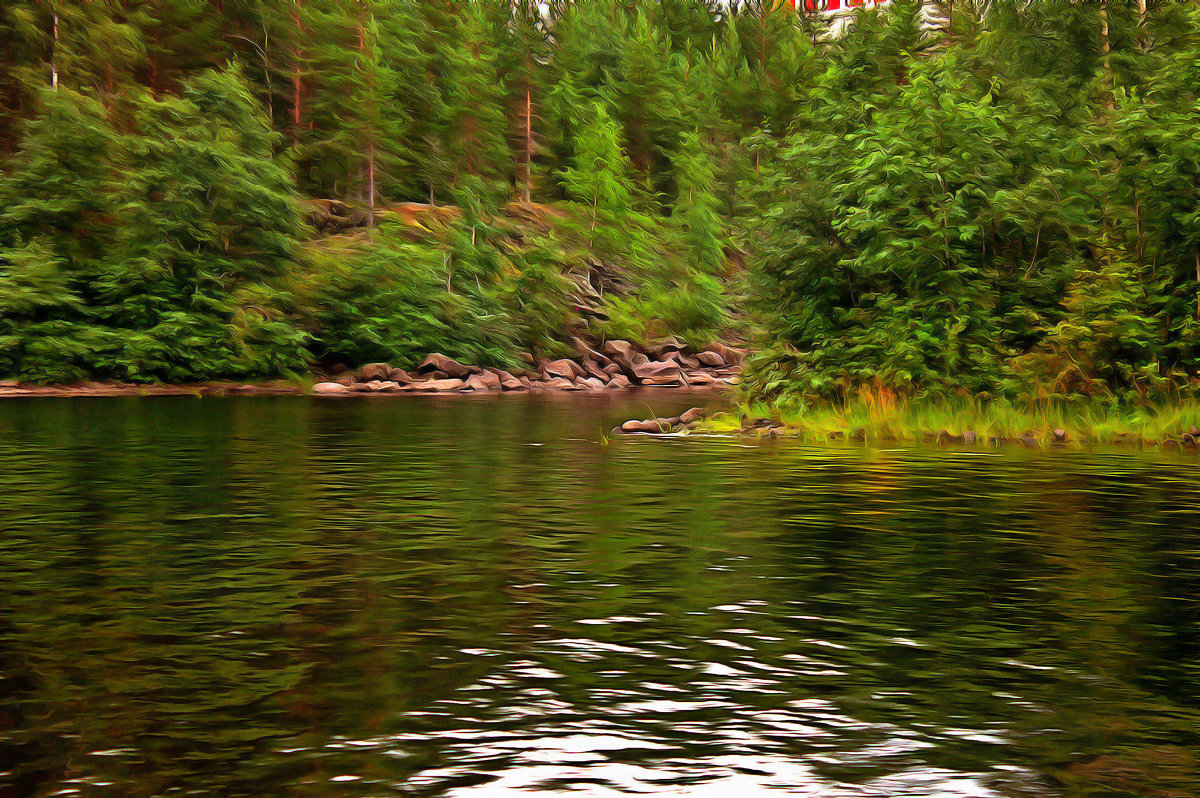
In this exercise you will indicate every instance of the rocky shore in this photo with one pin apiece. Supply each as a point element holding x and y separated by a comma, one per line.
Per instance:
<point>615,365</point>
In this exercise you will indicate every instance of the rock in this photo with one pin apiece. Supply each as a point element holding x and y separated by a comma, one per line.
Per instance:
<point>657,372</point>
<point>611,369</point>
<point>439,386</point>
<point>374,371</point>
<point>1170,443</point>
<point>449,366</point>
<point>560,384</point>
<point>338,368</point>
<point>591,383</point>
<point>400,376</point>
<point>649,426</point>
<point>682,360</point>
<point>1190,439</point>
<point>617,349</point>
<point>711,359</point>
<point>1194,430</point>
<point>482,383</point>
<point>665,347</point>
<point>489,380</point>
<point>969,437</point>
<point>321,388</point>
<point>383,386</point>
<point>701,378</point>
<point>1060,435</point>
<point>732,356</point>
<point>567,369</point>
<point>593,369</point>
<point>620,381</point>
<point>345,379</point>
<point>691,416</point>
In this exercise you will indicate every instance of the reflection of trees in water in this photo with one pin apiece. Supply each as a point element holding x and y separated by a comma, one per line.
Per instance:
<point>238,596</point>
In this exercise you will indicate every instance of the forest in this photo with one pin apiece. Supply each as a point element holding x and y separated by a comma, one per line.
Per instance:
<point>984,198</point>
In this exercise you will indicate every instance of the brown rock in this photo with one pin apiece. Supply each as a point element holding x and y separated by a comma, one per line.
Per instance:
<point>657,372</point>
<point>665,347</point>
<point>383,386</point>
<point>611,369</point>
<point>449,366</point>
<point>701,378</point>
<point>323,388</point>
<point>400,376</point>
<point>649,426</point>
<point>593,369</point>
<point>617,350</point>
<point>439,386</point>
<point>691,416</point>
<point>482,383</point>
<point>711,359</point>
<point>619,381</point>
<point>374,371</point>
<point>567,369</point>
<point>592,383</point>
<point>732,356</point>
<point>560,384</point>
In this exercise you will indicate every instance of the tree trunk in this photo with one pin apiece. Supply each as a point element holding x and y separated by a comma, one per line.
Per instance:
<point>54,52</point>
<point>296,75</point>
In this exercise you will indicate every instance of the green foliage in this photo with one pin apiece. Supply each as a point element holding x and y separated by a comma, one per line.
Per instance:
<point>161,244</point>
<point>394,301</point>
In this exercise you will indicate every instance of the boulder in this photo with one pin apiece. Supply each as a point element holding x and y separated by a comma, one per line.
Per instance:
<point>592,369</point>
<point>383,386</point>
<point>591,383</point>
<point>400,376</point>
<point>732,356</point>
<point>560,384</point>
<point>711,359</point>
<point>665,347</point>
<point>649,426</point>
<point>657,372</point>
<point>321,388</point>
<point>691,416</point>
<point>701,378</point>
<point>567,369</point>
<point>684,361</point>
<point>665,380</point>
<point>619,381</point>
<point>374,371</point>
<point>611,369</point>
<point>617,349</point>
<point>439,386</point>
<point>489,380</point>
<point>447,365</point>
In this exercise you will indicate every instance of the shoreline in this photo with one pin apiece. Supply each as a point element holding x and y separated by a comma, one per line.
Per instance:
<point>616,366</point>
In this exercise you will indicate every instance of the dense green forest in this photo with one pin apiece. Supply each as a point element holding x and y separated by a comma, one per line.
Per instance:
<point>980,197</point>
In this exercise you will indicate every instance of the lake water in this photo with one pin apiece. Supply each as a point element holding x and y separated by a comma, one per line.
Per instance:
<point>483,597</point>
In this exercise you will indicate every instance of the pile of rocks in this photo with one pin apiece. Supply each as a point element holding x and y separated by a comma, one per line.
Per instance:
<point>615,365</point>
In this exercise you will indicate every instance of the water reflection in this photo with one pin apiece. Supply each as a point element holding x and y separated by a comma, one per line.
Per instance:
<point>482,598</point>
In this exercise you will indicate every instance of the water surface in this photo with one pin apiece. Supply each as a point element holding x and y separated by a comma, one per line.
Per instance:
<point>483,597</point>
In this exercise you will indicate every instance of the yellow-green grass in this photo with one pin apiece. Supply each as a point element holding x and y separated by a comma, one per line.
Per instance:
<point>880,417</point>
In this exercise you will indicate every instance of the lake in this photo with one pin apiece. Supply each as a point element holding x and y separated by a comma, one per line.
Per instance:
<point>481,597</point>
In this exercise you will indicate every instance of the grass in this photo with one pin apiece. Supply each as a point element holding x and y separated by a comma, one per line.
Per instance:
<point>880,416</point>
